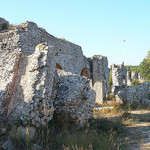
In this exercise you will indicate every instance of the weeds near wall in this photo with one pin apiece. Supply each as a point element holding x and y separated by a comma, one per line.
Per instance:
<point>135,82</point>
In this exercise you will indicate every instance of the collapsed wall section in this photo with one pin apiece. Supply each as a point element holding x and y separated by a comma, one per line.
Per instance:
<point>134,94</point>
<point>10,52</point>
<point>24,38</point>
<point>31,93</point>
<point>74,97</point>
<point>27,73</point>
<point>69,56</point>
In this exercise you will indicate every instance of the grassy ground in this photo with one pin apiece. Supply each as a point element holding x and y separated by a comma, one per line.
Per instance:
<point>112,128</point>
<point>98,134</point>
<point>60,134</point>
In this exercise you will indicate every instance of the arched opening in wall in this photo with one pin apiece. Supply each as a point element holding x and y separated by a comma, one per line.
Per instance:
<point>85,73</point>
<point>58,66</point>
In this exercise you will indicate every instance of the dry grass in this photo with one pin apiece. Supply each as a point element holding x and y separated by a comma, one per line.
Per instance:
<point>135,118</point>
<point>108,111</point>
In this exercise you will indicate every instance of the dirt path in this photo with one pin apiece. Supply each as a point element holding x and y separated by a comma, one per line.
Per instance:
<point>139,131</point>
<point>140,136</point>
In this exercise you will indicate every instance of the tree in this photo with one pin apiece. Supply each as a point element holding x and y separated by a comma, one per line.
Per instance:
<point>148,56</point>
<point>145,68</point>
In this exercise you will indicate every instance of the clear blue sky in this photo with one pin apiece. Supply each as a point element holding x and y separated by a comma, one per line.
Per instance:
<point>98,26</point>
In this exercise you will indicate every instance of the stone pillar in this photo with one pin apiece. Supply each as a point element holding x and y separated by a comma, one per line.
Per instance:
<point>134,75</point>
<point>129,80</point>
<point>119,76</point>
<point>100,78</point>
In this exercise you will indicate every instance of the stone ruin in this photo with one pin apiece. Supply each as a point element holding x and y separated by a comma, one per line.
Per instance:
<point>122,89</point>
<point>41,75</point>
<point>129,79</point>
<point>100,77</point>
<point>131,94</point>
<point>119,76</point>
<point>133,75</point>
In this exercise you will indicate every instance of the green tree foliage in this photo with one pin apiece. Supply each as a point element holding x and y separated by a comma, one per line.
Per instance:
<point>133,68</point>
<point>148,56</point>
<point>145,68</point>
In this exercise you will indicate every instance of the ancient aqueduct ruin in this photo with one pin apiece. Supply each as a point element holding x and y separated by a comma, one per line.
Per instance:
<point>41,75</point>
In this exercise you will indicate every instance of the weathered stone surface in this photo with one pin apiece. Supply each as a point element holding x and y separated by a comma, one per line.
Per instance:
<point>3,24</point>
<point>134,75</point>
<point>119,77</point>
<point>100,77</point>
<point>24,39</point>
<point>31,93</point>
<point>140,78</point>
<point>131,94</point>
<point>74,96</point>
<point>27,76</point>
<point>129,80</point>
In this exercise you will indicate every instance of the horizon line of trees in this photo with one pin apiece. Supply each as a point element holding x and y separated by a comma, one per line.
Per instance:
<point>143,68</point>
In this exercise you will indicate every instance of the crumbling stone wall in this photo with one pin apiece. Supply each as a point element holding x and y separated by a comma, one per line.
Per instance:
<point>28,35</point>
<point>119,76</point>
<point>30,94</point>
<point>100,77</point>
<point>27,75</point>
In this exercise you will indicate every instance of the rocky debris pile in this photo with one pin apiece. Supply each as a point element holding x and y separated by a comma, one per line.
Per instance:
<point>131,94</point>
<point>74,96</point>
<point>3,24</point>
